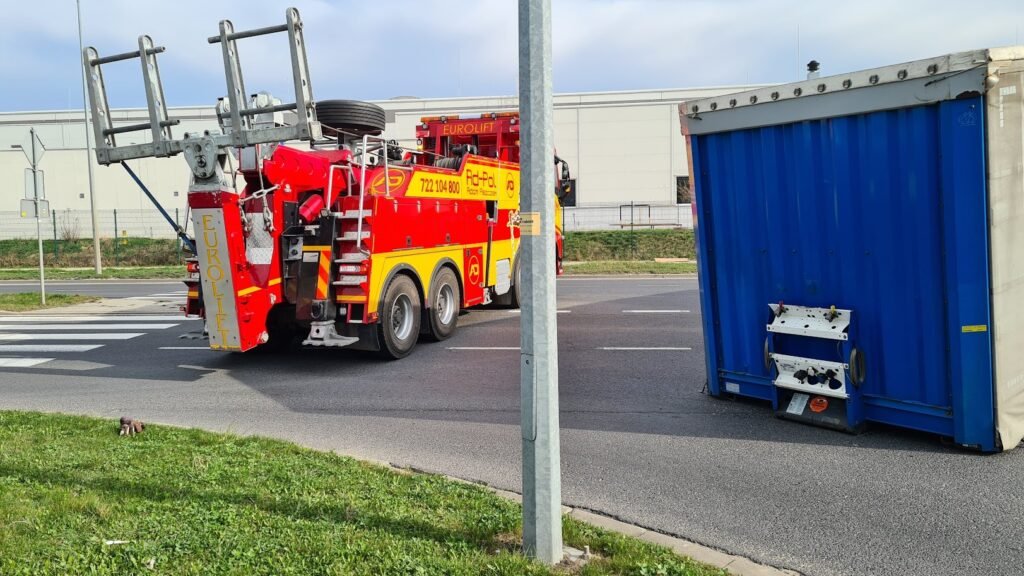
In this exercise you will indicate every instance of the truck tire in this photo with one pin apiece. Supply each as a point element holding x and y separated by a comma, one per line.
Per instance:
<point>351,116</point>
<point>446,301</point>
<point>515,296</point>
<point>400,314</point>
<point>281,330</point>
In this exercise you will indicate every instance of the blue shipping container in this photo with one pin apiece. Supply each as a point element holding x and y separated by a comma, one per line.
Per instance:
<point>861,246</point>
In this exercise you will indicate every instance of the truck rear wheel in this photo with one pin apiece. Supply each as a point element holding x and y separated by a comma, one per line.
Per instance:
<point>281,330</point>
<point>514,292</point>
<point>446,300</point>
<point>399,325</point>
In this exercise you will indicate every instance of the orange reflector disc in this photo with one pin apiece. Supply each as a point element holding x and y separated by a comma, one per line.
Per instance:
<point>818,404</point>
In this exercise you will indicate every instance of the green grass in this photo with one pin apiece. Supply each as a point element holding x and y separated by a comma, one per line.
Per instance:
<point>22,301</point>
<point>194,502</point>
<point>629,267</point>
<point>79,253</point>
<point>626,245</point>
<point>130,273</point>
<point>146,258</point>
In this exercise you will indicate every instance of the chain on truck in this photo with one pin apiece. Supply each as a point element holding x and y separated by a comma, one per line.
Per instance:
<point>346,240</point>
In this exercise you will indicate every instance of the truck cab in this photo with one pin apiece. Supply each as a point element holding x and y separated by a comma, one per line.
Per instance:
<point>443,141</point>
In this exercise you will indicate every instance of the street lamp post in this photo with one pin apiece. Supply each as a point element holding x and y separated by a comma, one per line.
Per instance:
<point>97,259</point>
<point>542,485</point>
<point>33,149</point>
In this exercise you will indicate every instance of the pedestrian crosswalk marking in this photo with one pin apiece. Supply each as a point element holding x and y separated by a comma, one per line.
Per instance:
<point>85,326</point>
<point>99,318</point>
<point>27,341</point>
<point>79,336</point>
<point>22,362</point>
<point>45,348</point>
<point>186,348</point>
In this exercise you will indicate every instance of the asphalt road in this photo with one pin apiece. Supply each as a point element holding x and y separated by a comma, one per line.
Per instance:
<point>639,439</point>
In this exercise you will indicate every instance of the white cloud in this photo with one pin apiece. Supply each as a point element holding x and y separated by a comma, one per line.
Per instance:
<point>468,47</point>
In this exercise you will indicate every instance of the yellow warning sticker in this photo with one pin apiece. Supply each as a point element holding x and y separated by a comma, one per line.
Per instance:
<point>974,328</point>
<point>529,223</point>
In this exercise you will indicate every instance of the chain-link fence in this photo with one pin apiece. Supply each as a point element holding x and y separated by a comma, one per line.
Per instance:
<point>127,238</point>
<point>627,216</point>
<point>77,224</point>
<point>73,224</point>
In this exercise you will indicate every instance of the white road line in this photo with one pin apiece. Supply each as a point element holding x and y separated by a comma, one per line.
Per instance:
<point>85,326</point>
<point>655,311</point>
<point>98,318</point>
<point>186,348</point>
<point>97,336</point>
<point>627,278</point>
<point>639,348</point>
<point>48,347</point>
<point>483,348</point>
<point>22,362</point>
<point>518,311</point>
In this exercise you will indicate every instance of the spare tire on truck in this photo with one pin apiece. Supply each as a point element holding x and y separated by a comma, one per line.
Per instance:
<point>351,116</point>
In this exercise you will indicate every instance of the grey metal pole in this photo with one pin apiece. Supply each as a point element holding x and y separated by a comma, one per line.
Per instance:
<point>39,222</point>
<point>97,258</point>
<point>542,481</point>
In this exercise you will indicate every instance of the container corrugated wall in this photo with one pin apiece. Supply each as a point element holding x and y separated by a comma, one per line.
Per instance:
<point>882,213</point>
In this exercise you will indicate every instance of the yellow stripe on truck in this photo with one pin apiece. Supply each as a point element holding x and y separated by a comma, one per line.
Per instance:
<point>421,260</point>
<point>476,180</point>
<point>324,275</point>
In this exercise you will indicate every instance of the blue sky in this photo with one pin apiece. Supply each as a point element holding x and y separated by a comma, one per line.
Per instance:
<point>381,49</point>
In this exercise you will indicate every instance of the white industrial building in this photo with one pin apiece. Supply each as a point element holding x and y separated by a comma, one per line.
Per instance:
<point>623,148</point>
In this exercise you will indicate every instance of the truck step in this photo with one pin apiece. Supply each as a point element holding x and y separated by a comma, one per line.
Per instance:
<point>351,236</point>
<point>353,214</point>
<point>349,281</point>
<point>351,258</point>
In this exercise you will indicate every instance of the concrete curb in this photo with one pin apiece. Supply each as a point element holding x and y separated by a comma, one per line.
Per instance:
<point>738,565</point>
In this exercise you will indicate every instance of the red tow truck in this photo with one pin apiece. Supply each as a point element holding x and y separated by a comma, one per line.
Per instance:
<point>348,240</point>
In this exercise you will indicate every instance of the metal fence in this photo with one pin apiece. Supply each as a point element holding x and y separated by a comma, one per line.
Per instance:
<point>627,216</point>
<point>71,224</point>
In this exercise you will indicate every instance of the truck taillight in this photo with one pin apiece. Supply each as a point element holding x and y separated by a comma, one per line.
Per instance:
<point>192,267</point>
<point>360,268</point>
